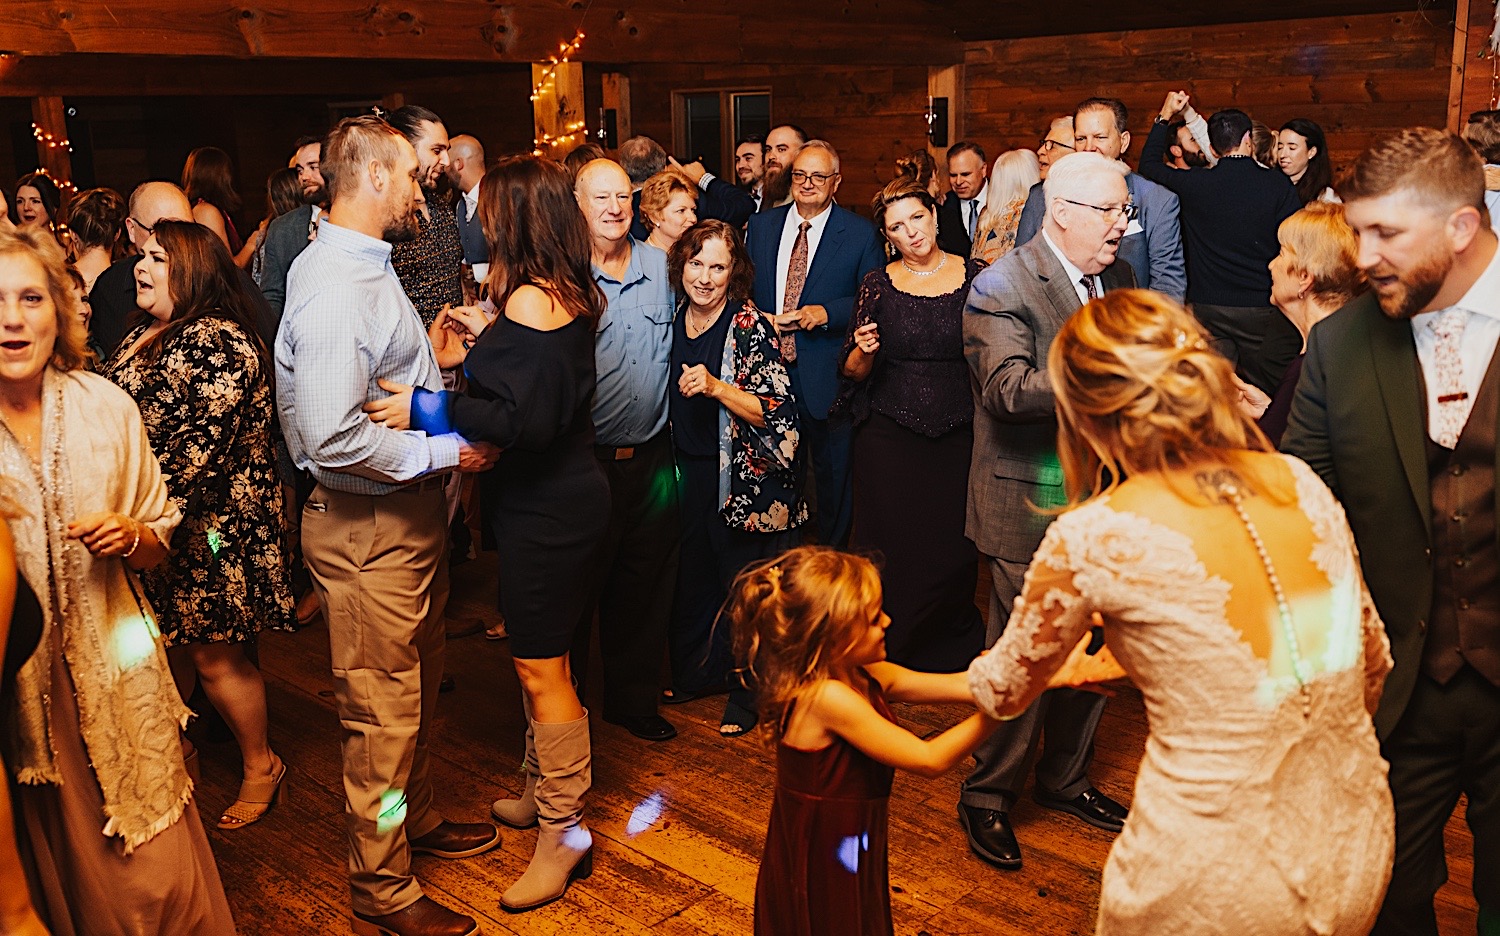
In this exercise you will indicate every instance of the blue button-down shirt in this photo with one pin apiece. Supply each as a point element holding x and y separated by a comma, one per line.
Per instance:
<point>633,349</point>
<point>347,325</point>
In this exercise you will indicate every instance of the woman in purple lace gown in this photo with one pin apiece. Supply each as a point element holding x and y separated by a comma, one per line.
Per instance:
<point>908,395</point>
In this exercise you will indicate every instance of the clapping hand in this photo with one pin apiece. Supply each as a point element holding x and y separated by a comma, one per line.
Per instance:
<point>867,338</point>
<point>393,412</point>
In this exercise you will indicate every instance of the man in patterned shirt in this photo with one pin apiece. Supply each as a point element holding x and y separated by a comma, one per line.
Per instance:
<point>372,532</point>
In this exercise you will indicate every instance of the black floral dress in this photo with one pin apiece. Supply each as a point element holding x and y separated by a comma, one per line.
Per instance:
<point>206,401</point>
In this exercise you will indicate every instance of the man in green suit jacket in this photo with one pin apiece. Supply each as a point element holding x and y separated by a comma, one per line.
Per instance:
<point>1398,409</point>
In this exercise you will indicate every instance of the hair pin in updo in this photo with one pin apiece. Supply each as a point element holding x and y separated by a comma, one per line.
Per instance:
<point>1183,340</point>
<point>774,574</point>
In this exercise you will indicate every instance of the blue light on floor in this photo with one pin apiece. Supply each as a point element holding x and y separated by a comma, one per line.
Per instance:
<point>645,815</point>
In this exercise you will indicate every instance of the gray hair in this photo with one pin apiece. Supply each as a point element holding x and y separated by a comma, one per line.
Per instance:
<point>1071,175</point>
<point>826,147</point>
<point>642,157</point>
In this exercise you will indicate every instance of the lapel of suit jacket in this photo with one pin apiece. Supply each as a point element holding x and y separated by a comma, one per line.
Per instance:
<point>828,247</point>
<point>770,222</point>
<point>1393,354</point>
<point>1054,279</point>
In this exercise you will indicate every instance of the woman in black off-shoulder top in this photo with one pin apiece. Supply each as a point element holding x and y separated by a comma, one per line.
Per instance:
<point>908,394</point>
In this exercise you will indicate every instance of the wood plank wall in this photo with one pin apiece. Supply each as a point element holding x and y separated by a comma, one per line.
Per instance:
<point>1481,77</point>
<point>1357,76</point>
<point>871,115</point>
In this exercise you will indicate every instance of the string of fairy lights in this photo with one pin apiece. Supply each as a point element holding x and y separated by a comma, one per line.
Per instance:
<point>51,141</point>
<point>547,84</point>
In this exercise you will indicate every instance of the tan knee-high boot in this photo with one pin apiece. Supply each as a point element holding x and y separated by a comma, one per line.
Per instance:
<point>563,846</point>
<point>521,813</point>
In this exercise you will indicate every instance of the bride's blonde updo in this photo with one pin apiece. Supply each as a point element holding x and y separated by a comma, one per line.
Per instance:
<point>1139,390</point>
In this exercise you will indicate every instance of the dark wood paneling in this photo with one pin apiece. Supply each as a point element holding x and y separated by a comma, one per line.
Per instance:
<point>870,115</point>
<point>1357,76</point>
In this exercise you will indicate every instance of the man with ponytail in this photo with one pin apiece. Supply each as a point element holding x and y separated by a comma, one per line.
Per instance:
<point>1398,408</point>
<point>1015,309</point>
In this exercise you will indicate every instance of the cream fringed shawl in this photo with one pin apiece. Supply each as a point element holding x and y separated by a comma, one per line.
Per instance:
<point>96,457</point>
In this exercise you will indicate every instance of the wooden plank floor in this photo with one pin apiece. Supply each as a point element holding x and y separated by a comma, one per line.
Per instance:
<point>677,827</point>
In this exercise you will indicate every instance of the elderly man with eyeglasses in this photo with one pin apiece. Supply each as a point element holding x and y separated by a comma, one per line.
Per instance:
<point>1153,242</point>
<point>810,258</point>
<point>1056,144</point>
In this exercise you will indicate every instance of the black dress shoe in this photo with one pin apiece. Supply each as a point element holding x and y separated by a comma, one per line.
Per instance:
<point>646,727</point>
<point>1091,806</point>
<point>990,836</point>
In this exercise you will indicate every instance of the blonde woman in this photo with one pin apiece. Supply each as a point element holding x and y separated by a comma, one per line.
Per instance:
<point>669,206</point>
<point>1015,173</point>
<point>1229,589</point>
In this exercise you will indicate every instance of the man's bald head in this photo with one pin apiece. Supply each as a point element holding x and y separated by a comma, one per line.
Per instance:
<point>598,170</point>
<point>152,202</point>
<point>603,191</point>
<point>465,162</point>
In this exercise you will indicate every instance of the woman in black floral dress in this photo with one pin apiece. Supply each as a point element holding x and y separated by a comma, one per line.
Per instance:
<point>734,431</point>
<point>202,381</point>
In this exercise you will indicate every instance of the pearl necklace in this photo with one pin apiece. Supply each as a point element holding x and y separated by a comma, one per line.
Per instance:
<point>942,259</point>
<point>1231,493</point>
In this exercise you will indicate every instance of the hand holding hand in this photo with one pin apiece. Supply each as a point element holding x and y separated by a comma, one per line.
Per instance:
<point>394,412</point>
<point>696,380</point>
<point>811,316</point>
<point>106,533</point>
<point>447,346</point>
<point>867,338</point>
<point>1082,670</point>
<point>476,456</point>
<point>1174,104</point>
<point>469,321</point>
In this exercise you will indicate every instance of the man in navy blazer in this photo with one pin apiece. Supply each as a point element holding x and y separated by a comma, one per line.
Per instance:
<point>1153,242</point>
<point>842,248</point>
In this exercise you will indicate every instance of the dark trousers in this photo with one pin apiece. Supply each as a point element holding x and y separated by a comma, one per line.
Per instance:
<point>1064,718</point>
<point>1447,743</point>
<point>712,555</point>
<point>1258,340</point>
<point>830,442</point>
<point>633,580</point>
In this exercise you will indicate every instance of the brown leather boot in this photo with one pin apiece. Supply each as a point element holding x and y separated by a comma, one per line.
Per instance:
<point>564,847</point>
<point>426,917</point>
<point>457,840</point>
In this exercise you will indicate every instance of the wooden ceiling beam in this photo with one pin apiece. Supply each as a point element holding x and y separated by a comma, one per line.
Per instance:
<point>464,30</point>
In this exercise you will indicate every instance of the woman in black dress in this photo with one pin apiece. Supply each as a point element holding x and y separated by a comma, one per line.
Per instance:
<point>531,389</point>
<point>913,412</point>
<point>194,366</point>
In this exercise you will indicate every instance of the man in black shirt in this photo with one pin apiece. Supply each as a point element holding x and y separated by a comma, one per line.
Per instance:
<point>1229,215</point>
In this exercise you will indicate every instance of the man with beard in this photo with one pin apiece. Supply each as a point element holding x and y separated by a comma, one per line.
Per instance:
<point>750,164</point>
<point>373,530</point>
<point>783,144</point>
<point>430,266</point>
<point>1187,152</point>
<point>1398,409</point>
<point>1015,309</point>
<point>307,160</point>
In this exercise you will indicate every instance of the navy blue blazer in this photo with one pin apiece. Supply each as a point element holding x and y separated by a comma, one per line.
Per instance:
<point>849,249</point>
<point>1152,245</point>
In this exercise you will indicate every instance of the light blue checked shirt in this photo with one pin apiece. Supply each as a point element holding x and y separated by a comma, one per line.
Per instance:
<point>633,350</point>
<point>348,324</point>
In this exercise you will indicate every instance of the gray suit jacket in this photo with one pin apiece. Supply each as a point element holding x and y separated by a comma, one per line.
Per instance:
<point>1015,308</point>
<point>286,237</point>
<point>1153,249</point>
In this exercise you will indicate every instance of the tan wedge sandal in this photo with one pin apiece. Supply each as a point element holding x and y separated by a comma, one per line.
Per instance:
<point>255,800</point>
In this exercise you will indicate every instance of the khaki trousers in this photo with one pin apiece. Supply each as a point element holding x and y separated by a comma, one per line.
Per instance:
<point>380,567</point>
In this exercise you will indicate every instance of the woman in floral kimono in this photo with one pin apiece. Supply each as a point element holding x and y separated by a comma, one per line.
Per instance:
<point>197,370</point>
<point>734,431</point>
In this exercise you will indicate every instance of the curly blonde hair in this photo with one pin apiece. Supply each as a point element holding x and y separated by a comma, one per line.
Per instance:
<point>71,350</point>
<point>794,618</point>
<point>658,192</point>
<point>1139,391</point>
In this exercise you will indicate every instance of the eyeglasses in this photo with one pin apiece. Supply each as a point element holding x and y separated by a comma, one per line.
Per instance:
<point>816,178</point>
<point>1129,210</point>
<point>1050,145</point>
<point>148,228</point>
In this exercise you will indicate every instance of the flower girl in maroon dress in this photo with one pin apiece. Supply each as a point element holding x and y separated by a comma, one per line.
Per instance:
<point>810,626</point>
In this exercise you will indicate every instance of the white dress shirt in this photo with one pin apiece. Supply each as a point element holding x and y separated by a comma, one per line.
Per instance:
<point>471,202</point>
<point>1075,275</point>
<point>974,205</point>
<point>789,240</point>
<point>1481,334</point>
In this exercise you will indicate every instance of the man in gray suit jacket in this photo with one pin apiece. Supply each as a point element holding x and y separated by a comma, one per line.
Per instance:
<point>1015,309</point>
<point>1153,241</point>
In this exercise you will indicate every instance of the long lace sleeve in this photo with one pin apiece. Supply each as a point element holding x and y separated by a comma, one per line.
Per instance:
<point>1377,646</point>
<point>1047,621</point>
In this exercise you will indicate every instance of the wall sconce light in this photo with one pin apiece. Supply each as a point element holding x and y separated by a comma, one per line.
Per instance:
<point>937,121</point>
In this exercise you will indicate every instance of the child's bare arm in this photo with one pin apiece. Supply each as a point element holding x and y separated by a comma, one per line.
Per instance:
<point>904,685</point>
<point>843,712</point>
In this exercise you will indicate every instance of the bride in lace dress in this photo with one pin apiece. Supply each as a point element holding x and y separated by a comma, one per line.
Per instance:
<point>1228,588</point>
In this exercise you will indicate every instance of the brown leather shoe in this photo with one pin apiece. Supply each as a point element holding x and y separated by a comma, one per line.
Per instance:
<point>457,840</point>
<point>426,917</point>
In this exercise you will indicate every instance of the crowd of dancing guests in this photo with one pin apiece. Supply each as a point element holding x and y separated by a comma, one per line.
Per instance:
<point>1217,424</point>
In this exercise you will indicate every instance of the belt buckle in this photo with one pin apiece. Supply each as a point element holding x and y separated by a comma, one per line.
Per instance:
<point>624,454</point>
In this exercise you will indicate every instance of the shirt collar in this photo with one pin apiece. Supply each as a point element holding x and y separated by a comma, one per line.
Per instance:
<point>357,245</point>
<point>819,220</point>
<point>1483,298</point>
<point>634,271</point>
<point>1074,274</point>
<point>984,194</point>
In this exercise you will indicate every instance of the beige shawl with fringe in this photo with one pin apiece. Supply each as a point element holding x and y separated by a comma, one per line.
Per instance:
<point>96,457</point>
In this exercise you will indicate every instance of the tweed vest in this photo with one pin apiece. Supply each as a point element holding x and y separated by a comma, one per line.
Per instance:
<point>1464,626</point>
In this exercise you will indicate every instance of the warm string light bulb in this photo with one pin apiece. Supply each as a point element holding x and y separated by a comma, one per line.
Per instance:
<point>564,51</point>
<point>42,136</point>
<point>573,131</point>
